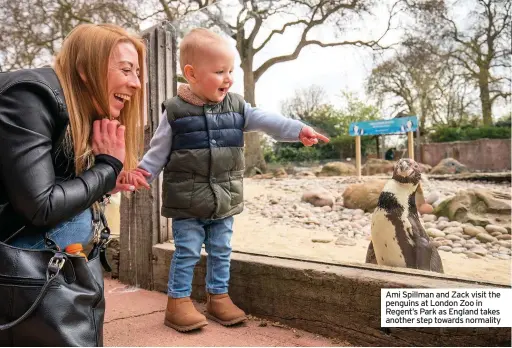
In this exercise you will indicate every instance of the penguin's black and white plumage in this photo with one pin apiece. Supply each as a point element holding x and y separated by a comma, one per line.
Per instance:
<point>398,237</point>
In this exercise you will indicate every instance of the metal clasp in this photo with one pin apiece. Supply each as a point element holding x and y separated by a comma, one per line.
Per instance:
<point>55,265</point>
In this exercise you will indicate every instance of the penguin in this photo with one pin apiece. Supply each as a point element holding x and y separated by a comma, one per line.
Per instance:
<point>398,238</point>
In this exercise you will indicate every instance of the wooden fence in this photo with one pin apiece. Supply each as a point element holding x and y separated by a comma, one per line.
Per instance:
<point>141,223</point>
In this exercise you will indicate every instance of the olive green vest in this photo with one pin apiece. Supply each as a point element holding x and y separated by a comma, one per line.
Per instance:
<point>204,176</point>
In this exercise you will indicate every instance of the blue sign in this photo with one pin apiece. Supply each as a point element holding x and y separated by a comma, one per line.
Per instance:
<point>391,126</point>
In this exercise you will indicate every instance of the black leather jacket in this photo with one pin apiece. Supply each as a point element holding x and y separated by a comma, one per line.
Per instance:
<point>38,187</point>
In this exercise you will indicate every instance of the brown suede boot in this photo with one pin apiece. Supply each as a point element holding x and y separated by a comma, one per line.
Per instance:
<point>182,316</point>
<point>221,309</point>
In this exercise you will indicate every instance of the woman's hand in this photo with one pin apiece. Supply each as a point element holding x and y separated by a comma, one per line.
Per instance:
<point>108,138</point>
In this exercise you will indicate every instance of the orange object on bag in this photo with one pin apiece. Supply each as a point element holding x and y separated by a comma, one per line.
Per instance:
<point>76,249</point>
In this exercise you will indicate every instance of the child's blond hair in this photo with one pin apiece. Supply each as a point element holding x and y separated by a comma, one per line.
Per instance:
<point>195,42</point>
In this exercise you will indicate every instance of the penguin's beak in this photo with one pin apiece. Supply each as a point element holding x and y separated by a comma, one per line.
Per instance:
<point>404,170</point>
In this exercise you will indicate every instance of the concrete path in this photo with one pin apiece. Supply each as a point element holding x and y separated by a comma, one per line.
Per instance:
<point>134,317</point>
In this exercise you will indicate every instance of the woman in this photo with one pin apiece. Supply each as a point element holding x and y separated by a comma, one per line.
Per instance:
<point>66,133</point>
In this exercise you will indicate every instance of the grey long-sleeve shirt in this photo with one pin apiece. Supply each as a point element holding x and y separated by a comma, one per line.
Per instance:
<point>276,125</point>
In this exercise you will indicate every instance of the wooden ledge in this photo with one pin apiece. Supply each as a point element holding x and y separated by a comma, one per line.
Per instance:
<point>339,301</point>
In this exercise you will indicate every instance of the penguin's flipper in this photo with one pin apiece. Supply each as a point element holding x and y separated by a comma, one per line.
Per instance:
<point>370,254</point>
<point>436,264</point>
<point>427,256</point>
<point>423,253</point>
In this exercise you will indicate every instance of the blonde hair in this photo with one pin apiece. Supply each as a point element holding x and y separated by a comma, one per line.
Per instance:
<point>194,43</point>
<point>87,50</point>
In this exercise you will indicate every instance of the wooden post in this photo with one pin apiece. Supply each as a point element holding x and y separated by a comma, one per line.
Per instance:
<point>410,145</point>
<point>358,156</point>
<point>141,224</point>
<point>418,146</point>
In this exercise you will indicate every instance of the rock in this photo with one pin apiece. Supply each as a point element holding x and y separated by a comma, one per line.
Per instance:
<point>454,224</point>
<point>342,240</point>
<point>318,198</point>
<point>503,257</point>
<point>306,174</point>
<point>363,196</point>
<point>429,218</point>
<point>321,240</point>
<point>326,209</point>
<point>447,242</point>
<point>485,237</point>
<point>434,232</point>
<point>442,218</point>
<point>470,244</point>
<point>355,225</point>
<point>377,166</point>
<point>442,225</point>
<point>425,209</point>
<point>424,168</point>
<point>263,176</point>
<point>471,230</point>
<point>452,237</point>
<point>357,212</point>
<point>505,243</point>
<point>337,169</point>
<point>480,207</point>
<point>280,173</point>
<point>452,230</point>
<point>479,251</point>
<point>504,237</point>
<point>432,197</point>
<point>445,248</point>
<point>472,255</point>
<point>495,234</point>
<point>495,228</point>
<point>449,166</point>
<point>429,225</point>
<point>458,250</point>
<point>312,221</point>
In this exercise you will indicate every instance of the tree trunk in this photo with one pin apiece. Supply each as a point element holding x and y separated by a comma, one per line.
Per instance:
<point>485,98</point>
<point>254,160</point>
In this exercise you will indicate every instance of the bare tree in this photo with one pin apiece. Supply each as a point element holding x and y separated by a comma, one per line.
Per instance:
<point>31,31</point>
<point>425,83</point>
<point>247,27</point>
<point>411,78</point>
<point>304,102</point>
<point>481,44</point>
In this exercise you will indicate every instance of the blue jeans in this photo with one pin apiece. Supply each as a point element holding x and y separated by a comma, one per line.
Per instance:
<point>189,236</point>
<point>78,229</point>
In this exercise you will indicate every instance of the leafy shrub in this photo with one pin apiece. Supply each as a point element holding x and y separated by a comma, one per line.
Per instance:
<point>447,134</point>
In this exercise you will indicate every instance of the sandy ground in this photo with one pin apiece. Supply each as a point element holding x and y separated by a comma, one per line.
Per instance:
<point>256,234</point>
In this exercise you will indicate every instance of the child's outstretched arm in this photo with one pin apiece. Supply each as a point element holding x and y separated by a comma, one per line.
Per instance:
<point>159,150</point>
<point>279,127</point>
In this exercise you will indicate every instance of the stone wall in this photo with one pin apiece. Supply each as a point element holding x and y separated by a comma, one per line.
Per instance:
<point>482,154</point>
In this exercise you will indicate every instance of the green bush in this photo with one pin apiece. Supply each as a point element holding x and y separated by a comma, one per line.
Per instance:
<point>447,134</point>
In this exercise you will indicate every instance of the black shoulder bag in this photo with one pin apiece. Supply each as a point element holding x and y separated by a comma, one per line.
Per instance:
<point>50,298</point>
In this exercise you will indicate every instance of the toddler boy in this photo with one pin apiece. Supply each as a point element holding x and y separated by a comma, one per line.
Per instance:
<point>199,144</point>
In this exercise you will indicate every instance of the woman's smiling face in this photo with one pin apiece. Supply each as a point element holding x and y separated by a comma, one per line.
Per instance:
<point>123,77</point>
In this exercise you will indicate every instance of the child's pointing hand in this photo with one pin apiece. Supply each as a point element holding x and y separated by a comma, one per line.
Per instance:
<point>308,136</point>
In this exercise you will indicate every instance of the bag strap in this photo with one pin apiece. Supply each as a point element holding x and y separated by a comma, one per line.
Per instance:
<point>102,237</point>
<point>52,271</point>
